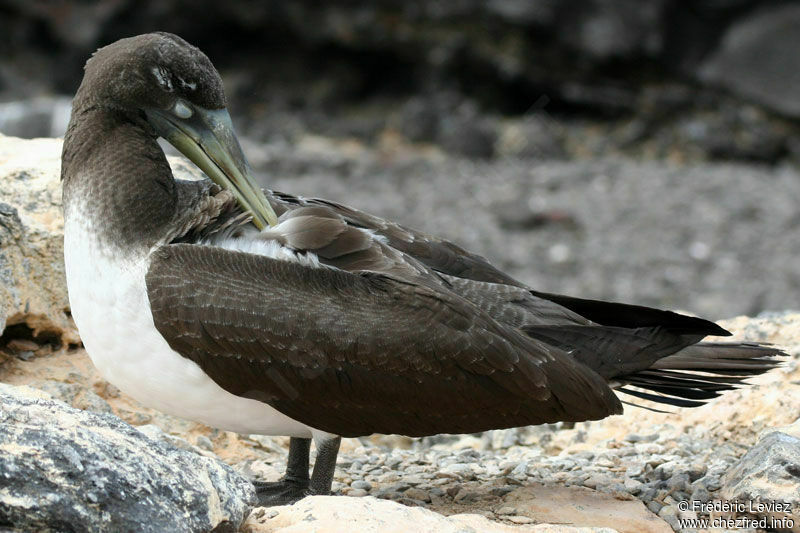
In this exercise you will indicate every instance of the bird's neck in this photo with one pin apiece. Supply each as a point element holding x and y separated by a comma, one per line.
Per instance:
<point>116,177</point>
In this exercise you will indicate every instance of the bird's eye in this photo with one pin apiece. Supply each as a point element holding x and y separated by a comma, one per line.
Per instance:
<point>187,85</point>
<point>181,109</point>
<point>163,78</point>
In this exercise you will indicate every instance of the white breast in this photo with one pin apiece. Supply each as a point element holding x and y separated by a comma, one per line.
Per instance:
<point>109,303</point>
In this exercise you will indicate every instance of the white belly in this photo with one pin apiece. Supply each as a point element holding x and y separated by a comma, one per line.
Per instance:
<point>110,306</point>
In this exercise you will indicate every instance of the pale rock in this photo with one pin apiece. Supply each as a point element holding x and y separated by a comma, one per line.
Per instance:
<point>767,474</point>
<point>581,507</point>
<point>331,514</point>
<point>66,469</point>
<point>33,290</point>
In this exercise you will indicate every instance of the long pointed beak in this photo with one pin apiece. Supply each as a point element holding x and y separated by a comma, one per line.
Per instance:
<point>207,138</point>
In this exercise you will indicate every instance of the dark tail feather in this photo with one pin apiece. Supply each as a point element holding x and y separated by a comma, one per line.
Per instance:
<point>699,373</point>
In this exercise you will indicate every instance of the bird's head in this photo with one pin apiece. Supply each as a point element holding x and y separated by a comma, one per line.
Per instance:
<point>170,88</point>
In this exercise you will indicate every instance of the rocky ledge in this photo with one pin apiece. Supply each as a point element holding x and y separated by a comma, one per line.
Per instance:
<point>76,454</point>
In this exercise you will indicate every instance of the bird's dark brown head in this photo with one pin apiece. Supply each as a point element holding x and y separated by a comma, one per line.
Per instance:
<point>152,85</point>
<point>155,70</point>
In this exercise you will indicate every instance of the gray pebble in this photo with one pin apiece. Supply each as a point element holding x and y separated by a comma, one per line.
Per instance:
<point>393,461</point>
<point>635,470</point>
<point>520,470</point>
<point>457,470</point>
<point>204,442</point>
<point>679,482</point>
<point>361,484</point>
<point>633,437</point>
<point>411,502</point>
<point>465,496</point>
<point>399,487</point>
<point>670,515</point>
<point>417,494</point>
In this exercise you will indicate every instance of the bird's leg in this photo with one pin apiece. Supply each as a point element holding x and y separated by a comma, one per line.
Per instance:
<point>324,465</point>
<point>295,483</point>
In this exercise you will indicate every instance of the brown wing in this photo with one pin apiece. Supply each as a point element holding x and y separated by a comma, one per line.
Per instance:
<point>451,260</point>
<point>354,354</point>
<point>439,254</point>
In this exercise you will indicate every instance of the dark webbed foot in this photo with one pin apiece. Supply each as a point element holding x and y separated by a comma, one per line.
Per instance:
<point>283,492</point>
<point>296,485</point>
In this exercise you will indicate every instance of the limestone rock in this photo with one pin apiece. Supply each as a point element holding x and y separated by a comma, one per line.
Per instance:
<point>758,59</point>
<point>33,291</point>
<point>578,507</point>
<point>335,514</point>
<point>66,469</point>
<point>769,473</point>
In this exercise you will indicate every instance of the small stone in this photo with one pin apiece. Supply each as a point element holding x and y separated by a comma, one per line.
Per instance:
<point>388,477</point>
<point>458,469</point>
<point>519,519</point>
<point>413,480</point>
<point>465,496</point>
<point>654,507</point>
<point>648,493</point>
<point>393,461</point>
<point>361,484</point>
<point>711,483</point>
<point>606,462</point>
<point>701,494</point>
<point>670,515</point>
<point>204,442</point>
<point>678,482</point>
<point>399,487</point>
<point>417,494</point>
<point>520,470</point>
<point>507,466</point>
<point>633,437</point>
<point>357,493</point>
<point>506,510</point>
<point>633,485</point>
<point>501,491</point>
<point>595,480</point>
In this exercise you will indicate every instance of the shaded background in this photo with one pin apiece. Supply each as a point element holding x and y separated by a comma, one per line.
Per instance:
<point>638,150</point>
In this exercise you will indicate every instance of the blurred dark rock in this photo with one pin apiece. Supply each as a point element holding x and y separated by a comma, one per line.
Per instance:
<point>758,59</point>
<point>36,117</point>
<point>654,78</point>
<point>536,136</point>
<point>468,133</point>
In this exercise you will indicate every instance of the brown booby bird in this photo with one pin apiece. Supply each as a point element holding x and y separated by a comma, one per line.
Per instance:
<point>260,312</point>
